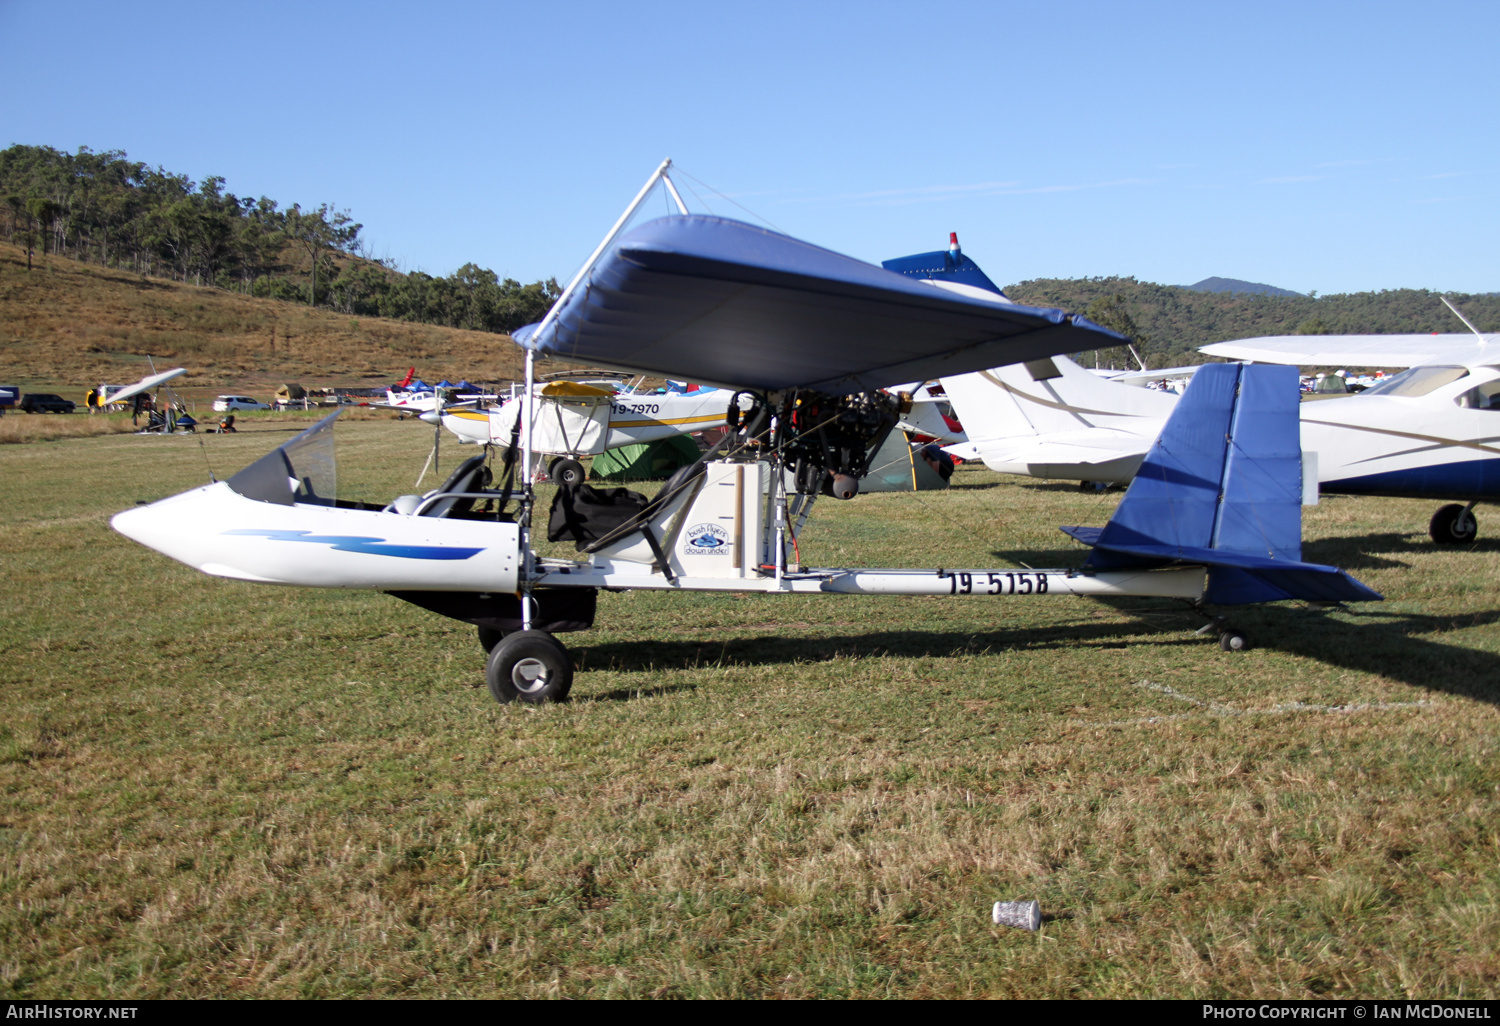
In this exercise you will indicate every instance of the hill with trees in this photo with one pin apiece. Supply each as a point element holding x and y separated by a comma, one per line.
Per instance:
<point>110,260</point>
<point>106,209</point>
<point>1169,322</point>
<point>69,324</point>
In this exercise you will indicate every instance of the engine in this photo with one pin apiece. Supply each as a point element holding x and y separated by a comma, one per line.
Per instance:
<point>826,440</point>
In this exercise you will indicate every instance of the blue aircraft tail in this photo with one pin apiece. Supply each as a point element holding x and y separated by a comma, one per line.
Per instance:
<point>1222,488</point>
<point>943,265</point>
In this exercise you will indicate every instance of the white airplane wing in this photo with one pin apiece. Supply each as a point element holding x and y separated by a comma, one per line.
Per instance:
<point>1359,350</point>
<point>146,384</point>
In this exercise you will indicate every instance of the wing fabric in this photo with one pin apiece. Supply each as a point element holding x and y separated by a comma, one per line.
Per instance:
<point>727,303</point>
<point>1222,488</point>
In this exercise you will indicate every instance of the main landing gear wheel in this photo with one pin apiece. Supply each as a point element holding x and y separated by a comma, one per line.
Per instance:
<point>1233,641</point>
<point>1453,524</point>
<point>566,472</point>
<point>489,637</point>
<point>529,666</point>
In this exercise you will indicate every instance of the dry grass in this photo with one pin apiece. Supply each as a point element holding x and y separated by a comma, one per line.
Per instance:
<point>18,427</point>
<point>68,325</point>
<point>218,789</point>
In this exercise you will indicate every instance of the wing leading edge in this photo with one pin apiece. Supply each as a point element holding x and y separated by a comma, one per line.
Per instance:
<point>1359,350</point>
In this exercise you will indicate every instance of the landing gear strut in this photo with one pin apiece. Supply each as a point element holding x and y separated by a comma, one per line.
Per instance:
<point>531,667</point>
<point>1454,524</point>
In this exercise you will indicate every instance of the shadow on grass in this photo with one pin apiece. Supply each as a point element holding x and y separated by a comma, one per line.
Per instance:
<point>730,649</point>
<point>1379,643</point>
<point>1382,551</point>
<point>1385,644</point>
<point>629,694</point>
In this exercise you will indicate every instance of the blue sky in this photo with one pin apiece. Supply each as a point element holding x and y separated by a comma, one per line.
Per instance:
<point>1329,146</point>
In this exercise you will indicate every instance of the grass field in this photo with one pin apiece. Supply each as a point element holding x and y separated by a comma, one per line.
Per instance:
<point>220,789</point>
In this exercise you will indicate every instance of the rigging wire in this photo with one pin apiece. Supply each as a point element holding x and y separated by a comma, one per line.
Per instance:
<point>698,198</point>
<point>729,199</point>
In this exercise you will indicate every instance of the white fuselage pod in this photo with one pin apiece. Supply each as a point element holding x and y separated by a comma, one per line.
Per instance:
<point>218,531</point>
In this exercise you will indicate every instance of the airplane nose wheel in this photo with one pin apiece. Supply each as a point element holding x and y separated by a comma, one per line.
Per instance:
<point>1454,524</point>
<point>531,667</point>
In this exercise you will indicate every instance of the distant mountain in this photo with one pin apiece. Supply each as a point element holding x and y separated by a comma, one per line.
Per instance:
<point>1254,288</point>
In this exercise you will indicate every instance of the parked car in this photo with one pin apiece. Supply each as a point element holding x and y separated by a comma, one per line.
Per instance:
<point>225,403</point>
<point>46,402</point>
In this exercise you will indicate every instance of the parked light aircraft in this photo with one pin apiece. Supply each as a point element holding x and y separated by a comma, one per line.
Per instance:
<point>1432,431</point>
<point>575,419</point>
<point>1053,419</point>
<point>813,336</point>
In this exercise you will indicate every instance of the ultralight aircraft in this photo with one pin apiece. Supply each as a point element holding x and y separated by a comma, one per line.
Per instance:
<point>811,337</point>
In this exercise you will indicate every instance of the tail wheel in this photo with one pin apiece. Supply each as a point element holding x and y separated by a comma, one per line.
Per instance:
<point>1233,641</point>
<point>566,472</point>
<point>531,667</point>
<point>1453,524</point>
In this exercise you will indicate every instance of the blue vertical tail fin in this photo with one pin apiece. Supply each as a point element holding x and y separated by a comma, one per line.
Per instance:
<point>943,265</point>
<point>1222,488</point>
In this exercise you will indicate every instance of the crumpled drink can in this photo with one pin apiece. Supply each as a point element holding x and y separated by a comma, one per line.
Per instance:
<point>1025,915</point>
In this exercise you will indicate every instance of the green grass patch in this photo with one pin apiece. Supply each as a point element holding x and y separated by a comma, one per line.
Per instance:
<point>216,789</point>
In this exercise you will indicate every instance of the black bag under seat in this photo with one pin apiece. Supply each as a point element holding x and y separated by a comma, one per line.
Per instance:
<point>584,514</point>
<point>557,609</point>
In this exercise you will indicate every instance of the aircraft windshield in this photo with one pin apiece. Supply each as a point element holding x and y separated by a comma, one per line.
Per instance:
<point>1418,381</point>
<point>302,470</point>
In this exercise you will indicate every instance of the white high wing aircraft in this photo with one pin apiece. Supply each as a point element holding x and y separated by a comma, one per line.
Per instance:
<point>814,337</point>
<point>1432,431</point>
<point>575,419</point>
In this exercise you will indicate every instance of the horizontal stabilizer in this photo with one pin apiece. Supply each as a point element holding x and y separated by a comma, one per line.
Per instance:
<point>1221,488</point>
<point>1237,578</point>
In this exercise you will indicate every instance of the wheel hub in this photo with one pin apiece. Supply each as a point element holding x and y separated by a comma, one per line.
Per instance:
<point>529,676</point>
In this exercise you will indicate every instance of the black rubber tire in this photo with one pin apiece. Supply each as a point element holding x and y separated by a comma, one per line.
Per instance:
<point>566,472</point>
<point>489,637</point>
<point>1453,525</point>
<point>531,667</point>
<point>1233,641</point>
